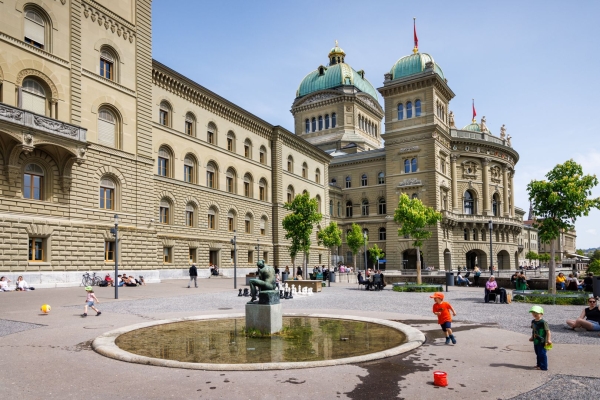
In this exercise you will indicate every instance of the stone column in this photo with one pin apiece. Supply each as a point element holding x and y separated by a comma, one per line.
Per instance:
<point>486,187</point>
<point>453,159</point>
<point>505,189</point>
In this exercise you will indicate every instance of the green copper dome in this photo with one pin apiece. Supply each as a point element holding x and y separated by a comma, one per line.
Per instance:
<point>414,64</point>
<point>332,77</point>
<point>473,127</point>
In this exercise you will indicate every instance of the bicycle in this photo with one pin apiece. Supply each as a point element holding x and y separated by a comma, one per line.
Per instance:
<point>90,280</point>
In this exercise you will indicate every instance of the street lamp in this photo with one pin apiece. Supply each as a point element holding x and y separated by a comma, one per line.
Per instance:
<point>234,243</point>
<point>115,231</point>
<point>491,251</point>
<point>365,250</point>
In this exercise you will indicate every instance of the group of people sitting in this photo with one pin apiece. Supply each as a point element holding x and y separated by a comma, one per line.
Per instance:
<point>21,285</point>
<point>572,283</point>
<point>124,280</point>
<point>374,279</point>
<point>519,280</point>
<point>214,270</point>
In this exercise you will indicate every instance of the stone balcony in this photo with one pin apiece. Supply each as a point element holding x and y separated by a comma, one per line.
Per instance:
<point>482,220</point>
<point>478,136</point>
<point>42,123</point>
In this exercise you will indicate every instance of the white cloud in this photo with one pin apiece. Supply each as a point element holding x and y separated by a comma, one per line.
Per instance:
<point>591,231</point>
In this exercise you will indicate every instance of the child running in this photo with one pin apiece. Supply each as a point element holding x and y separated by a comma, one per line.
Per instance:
<point>442,309</point>
<point>89,301</point>
<point>540,336</point>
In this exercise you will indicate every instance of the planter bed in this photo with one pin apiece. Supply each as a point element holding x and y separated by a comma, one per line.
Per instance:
<point>413,287</point>
<point>543,297</point>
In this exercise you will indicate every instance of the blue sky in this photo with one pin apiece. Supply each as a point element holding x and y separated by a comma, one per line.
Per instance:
<point>531,65</point>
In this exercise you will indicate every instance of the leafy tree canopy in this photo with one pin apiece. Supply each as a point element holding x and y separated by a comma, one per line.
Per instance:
<point>330,236</point>
<point>300,222</point>
<point>355,239</point>
<point>414,217</point>
<point>375,253</point>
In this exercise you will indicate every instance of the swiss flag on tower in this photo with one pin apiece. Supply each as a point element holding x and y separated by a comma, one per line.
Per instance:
<point>415,34</point>
<point>474,112</point>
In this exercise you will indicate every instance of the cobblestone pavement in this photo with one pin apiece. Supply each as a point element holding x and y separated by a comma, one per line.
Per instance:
<point>8,327</point>
<point>578,387</point>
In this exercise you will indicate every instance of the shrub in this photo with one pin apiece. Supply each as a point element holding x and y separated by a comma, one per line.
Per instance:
<point>594,267</point>
<point>416,288</point>
<point>542,297</point>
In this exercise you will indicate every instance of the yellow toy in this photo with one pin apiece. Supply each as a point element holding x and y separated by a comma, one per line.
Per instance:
<point>45,308</point>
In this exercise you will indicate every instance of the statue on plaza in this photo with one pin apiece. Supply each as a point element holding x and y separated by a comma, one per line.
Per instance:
<point>502,131</point>
<point>508,141</point>
<point>265,280</point>
<point>451,117</point>
<point>483,126</point>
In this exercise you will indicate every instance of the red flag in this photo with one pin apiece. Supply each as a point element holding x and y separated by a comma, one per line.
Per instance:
<point>415,34</point>
<point>474,112</point>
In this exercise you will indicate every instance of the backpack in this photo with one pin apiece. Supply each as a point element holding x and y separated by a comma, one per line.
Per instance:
<point>103,284</point>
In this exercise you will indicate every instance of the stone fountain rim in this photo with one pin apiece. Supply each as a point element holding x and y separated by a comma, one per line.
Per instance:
<point>106,346</point>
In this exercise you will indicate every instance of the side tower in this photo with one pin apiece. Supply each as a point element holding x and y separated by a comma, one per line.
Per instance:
<point>336,108</point>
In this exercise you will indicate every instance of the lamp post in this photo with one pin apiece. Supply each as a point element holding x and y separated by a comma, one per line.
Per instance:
<point>491,251</point>
<point>377,262</point>
<point>234,243</point>
<point>115,231</point>
<point>365,250</point>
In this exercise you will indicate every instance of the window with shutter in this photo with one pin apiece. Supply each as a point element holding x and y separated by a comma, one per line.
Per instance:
<point>106,128</point>
<point>33,97</point>
<point>35,29</point>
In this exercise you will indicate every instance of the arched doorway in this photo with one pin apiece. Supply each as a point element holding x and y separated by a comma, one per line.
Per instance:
<point>504,260</point>
<point>477,258</point>
<point>409,259</point>
<point>447,260</point>
<point>516,263</point>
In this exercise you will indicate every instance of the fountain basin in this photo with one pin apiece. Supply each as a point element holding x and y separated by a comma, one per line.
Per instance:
<point>217,342</point>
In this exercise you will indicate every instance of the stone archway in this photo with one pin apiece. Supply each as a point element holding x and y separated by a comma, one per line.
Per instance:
<point>409,259</point>
<point>504,260</point>
<point>477,258</point>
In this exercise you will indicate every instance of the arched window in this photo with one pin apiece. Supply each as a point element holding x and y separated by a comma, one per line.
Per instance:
<point>230,185</point>
<point>33,97</point>
<point>380,178</point>
<point>414,196</point>
<point>211,133</point>
<point>231,221</point>
<point>304,170</point>
<point>406,166</point>
<point>348,209</point>
<point>330,207</point>
<point>164,113</point>
<point>189,169</point>
<point>231,141</point>
<point>333,120</point>
<point>107,194</point>
<point>408,109</point>
<point>164,161</point>
<point>381,206</point>
<point>417,108</point>
<point>212,218</point>
<point>190,124</point>
<point>306,126</point>
<point>248,184</point>
<point>262,190</point>
<point>37,29</point>
<point>469,204</point>
<point>413,165</point>
<point>326,121</point>
<point>314,124</point>
<point>290,194</point>
<point>382,234</point>
<point>262,155</point>
<point>248,148</point>
<point>108,127</point>
<point>475,235</point>
<point>248,223</point>
<point>317,175</point>
<point>211,176</point>
<point>363,180</point>
<point>318,203</point>
<point>320,122</point>
<point>400,112</point>
<point>339,209</point>
<point>348,182</point>
<point>290,164</point>
<point>190,210</point>
<point>466,234</point>
<point>495,205</point>
<point>263,226</point>
<point>165,212</point>
<point>108,63</point>
<point>365,208</point>
<point>333,181</point>
<point>483,235</point>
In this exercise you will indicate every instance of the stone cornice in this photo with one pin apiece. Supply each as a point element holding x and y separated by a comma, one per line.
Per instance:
<point>475,148</point>
<point>335,164</point>
<point>300,144</point>
<point>420,81</point>
<point>42,53</point>
<point>113,19</point>
<point>328,97</point>
<point>108,82</point>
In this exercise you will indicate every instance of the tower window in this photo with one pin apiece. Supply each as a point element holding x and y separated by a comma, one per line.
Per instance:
<point>333,120</point>
<point>417,108</point>
<point>306,126</point>
<point>400,112</point>
<point>314,124</point>
<point>408,109</point>
<point>326,121</point>
<point>320,123</point>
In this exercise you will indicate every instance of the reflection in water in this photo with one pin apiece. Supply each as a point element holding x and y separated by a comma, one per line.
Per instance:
<point>223,341</point>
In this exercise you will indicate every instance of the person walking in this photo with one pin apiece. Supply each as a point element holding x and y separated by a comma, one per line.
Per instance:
<point>540,336</point>
<point>193,276</point>
<point>442,309</point>
<point>89,302</point>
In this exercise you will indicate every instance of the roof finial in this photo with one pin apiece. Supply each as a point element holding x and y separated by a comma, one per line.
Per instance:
<point>336,43</point>
<point>416,48</point>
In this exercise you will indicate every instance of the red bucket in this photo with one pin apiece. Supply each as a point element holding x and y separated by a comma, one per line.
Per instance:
<point>440,378</point>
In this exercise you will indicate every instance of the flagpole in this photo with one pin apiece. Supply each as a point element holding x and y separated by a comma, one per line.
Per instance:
<point>416,39</point>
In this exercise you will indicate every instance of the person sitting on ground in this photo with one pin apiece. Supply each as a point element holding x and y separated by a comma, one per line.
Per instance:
<point>109,281</point>
<point>120,281</point>
<point>215,270</point>
<point>573,283</point>
<point>141,281</point>
<point>491,286</point>
<point>462,281</point>
<point>22,285</point>
<point>4,287</point>
<point>561,281</point>
<point>589,318</point>
<point>522,281</point>
<point>588,282</point>
<point>129,281</point>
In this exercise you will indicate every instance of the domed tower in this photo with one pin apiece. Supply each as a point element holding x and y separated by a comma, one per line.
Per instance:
<point>337,109</point>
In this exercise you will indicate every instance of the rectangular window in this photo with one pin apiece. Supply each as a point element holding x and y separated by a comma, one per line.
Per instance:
<point>261,193</point>
<point>210,137</point>
<point>232,255</point>
<point>247,226</point>
<point>164,215</point>
<point>262,157</point>
<point>210,179</point>
<point>247,189</point>
<point>35,33</point>
<point>320,259</point>
<point>109,251</point>
<point>246,151</point>
<point>167,255</point>
<point>162,166</point>
<point>192,254</point>
<point>187,173</point>
<point>230,224</point>
<point>211,221</point>
<point>106,69</point>
<point>107,198</point>
<point>36,249</point>
<point>189,128</point>
<point>189,218</point>
<point>32,187</point>
<point>164,117</point>
<point>229,184</point>
<point>266,256</point>
<point>250,257</point>
<point>230,144</point>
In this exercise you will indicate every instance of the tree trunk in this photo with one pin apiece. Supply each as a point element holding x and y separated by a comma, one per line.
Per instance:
<point>355,260</point>
<point>304,265</point>
<point>552,269</point>
<point>418,266</point>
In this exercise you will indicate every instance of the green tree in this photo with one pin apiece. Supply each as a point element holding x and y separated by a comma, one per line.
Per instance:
<point>355,240</point>
<point>594,267</point>
<point>558,202</point>
<point>579,252</point>
<point>330,237</point>
<point>595,255</point>
<point>531,255</point>
<point>544,257</point>
<point>375,253</point>
<point>414,219</point>
<point>299,224</point>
